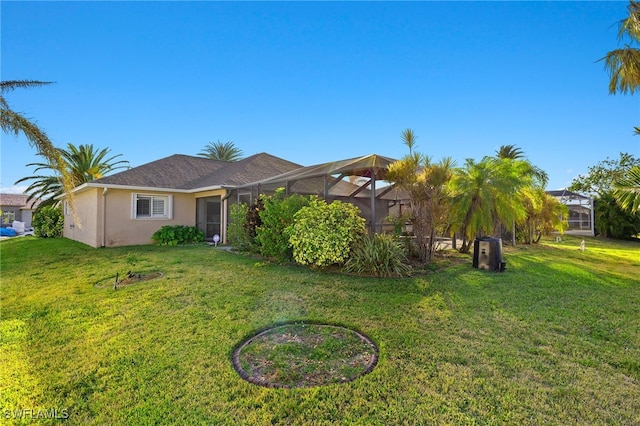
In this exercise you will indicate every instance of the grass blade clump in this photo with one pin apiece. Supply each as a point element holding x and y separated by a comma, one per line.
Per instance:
<point>379,255</point>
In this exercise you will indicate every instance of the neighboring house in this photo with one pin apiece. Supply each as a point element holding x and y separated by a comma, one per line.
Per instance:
<point>16,207</point>
<point>126,208</point>
<point>581,217</point>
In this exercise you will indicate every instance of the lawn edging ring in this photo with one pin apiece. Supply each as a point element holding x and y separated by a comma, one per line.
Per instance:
<point>302,354</point>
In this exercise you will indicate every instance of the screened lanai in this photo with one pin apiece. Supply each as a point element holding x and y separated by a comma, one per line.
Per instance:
<point>360,181</point>
<point>581,215</point>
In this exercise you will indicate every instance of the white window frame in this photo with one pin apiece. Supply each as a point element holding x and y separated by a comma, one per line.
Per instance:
<point>165,215</point>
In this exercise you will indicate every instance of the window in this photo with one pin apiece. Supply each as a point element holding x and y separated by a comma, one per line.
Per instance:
<point>151,206</point>
<point>8,217</point>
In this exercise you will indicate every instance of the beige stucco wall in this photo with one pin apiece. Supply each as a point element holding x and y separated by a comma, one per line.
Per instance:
<point>87,204</point>
<point>123,230</point>
<point>120,229</point>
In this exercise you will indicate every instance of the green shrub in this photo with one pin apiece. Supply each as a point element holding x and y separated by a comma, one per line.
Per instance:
<point>238,230</point>
<point>253,221</point>
<point>177,234</point>
<point>48,222</point>
<point>276,218</point>
<point>379,255</point>
<point>322,234</point>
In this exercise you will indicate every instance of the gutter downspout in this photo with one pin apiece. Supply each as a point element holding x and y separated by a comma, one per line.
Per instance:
<point>225,219</point>
<point>104,216</point>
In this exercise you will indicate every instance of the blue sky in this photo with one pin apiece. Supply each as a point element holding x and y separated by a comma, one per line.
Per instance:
<point>316,82</point>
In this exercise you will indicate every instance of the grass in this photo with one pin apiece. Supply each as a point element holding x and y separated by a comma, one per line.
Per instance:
<point>553,340</point>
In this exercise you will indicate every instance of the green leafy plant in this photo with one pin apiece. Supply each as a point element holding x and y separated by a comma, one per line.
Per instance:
<point>276,219</point>
<point>253,221</point>
<point>178,234</point>
<point>48,221</point>
<point>322,234</point>
<point>379,255</point>
<point>238,230</point>
<point>399,222</point>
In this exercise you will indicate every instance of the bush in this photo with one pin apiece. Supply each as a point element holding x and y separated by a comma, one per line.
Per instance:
<point>48,222</point>
<point>178,234</point>
<point>614,222</point>
<point>253,221</point>
<point>322,234</point>
<point>276,219</point>
<point>238,230</point>
<point>379,255</point>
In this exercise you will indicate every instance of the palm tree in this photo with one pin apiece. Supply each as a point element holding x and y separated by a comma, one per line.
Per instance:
<point>15,123</point>
<point>623,64</point>
<point>426,183</point>
<point>627,190</point>
<point>221,151</point>
<point>510,151</point>
<point>83,164</point>
<point>486,192</point>
<point>531,196</point>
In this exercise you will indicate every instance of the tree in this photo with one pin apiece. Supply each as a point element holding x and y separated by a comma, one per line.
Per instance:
<point>426,182</point>
<point>604,174</point>
<point>544,214</point>
<point>15,123</point>
<point>623,64</point>
<point>82,164</point>
<point>613,221</point>
<point>532,196</point>
<point>611,182</point>
<point>221,151</point>
<point>511,152</point>
<point>485,193</point>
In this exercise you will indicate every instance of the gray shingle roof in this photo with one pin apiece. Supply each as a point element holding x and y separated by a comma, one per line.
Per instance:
<point>187,172</point>
<point>18,200</point>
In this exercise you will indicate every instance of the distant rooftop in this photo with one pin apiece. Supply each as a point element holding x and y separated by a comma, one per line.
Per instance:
<point>18,200</point>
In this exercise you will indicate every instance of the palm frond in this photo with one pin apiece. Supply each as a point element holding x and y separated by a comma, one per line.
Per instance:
<point>9,85</point>
<point>627,190</point>
<point>221,151</point>
<point>623,66</point>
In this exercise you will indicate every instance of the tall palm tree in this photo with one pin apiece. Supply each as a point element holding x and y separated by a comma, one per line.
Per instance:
<point>221,151</point>
<point>15,123</point>
<point>83,164</point>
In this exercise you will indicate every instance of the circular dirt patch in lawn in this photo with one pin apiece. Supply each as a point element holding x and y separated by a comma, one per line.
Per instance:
<point>128,279</point>
<point>304,355</point>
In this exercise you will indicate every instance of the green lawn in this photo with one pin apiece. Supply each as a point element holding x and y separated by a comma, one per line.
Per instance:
<point>553,340</point>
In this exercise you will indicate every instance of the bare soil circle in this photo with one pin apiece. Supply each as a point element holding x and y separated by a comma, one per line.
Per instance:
<point>295,355</point>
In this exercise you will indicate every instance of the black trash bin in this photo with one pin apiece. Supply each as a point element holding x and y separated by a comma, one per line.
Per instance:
<point>487,254</point>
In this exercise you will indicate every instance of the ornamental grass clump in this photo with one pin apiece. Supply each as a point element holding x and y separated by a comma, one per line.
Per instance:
<point>323,234</point>
<point>379,255</point>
